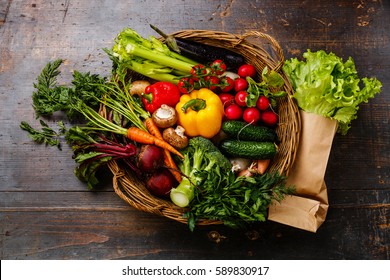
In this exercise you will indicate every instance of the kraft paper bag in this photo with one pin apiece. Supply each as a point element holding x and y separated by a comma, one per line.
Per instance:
<point>307,209</point>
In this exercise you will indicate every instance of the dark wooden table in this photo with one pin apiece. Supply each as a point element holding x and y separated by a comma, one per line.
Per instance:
<point>46,213</point>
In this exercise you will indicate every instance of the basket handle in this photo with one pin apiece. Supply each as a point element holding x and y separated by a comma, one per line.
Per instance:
<point>275,45</point>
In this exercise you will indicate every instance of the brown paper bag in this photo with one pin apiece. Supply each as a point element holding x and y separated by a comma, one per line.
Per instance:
<point>308,208</point>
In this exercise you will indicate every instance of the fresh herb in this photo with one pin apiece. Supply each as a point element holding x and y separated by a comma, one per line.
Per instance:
<point>46,135</point>
<point>236,201</point>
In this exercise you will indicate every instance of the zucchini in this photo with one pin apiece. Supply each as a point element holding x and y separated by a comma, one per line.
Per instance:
<point>243,131</point>
<point>248,149</point>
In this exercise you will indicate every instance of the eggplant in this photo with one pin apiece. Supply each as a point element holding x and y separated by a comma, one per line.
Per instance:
<point>200,52</point>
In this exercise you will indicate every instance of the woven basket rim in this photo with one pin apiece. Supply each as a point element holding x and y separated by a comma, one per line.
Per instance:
<point>130,189</point>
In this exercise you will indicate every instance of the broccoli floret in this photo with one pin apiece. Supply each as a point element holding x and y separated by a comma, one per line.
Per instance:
<point>200,156</point>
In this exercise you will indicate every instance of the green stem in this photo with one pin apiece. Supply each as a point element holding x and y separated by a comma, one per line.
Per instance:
<point>195,104</point>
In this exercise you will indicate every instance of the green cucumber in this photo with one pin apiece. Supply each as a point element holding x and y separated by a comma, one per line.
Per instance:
<point>248,149</point>
<point>243,131</point>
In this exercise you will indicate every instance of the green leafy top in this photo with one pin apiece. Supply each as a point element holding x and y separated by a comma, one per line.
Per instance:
<point>327,86</point>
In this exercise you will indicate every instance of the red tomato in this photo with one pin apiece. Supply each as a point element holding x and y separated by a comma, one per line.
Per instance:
<point>211,82</point>
<point>269,118</point>
<point>198,71</point>
<point>240,84</point>
<point>262,103</point>
<point>251,115</point>
<point>218,67</point>
<point>185,85</point>
<point>228,84</point>
<point>226,98</point>
<point>240,98</point>
<point>233,112</point>
<point>246,70</point>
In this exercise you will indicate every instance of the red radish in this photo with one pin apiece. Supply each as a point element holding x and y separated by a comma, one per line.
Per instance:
<point>269,118</point>
<point>246,70</point>
<point>150,158</point>
<point>226,98</point>
<point>262,103</point>
<point>228,84</point>
<point>251,115</point>
<point>233,112</point>
<point>240,98</point>
<point>240,84</point>
<point>161,182</point>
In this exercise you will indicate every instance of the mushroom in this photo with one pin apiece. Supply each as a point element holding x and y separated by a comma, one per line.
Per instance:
<point>165,116</point>
<point>175,137</point>
<point>138,87</point>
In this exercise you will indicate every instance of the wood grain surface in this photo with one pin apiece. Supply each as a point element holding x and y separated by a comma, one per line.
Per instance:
<point>46,213</point>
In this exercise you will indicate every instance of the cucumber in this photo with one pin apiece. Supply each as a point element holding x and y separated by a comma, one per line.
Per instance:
<point>248,149</point>
<point>243,131</point>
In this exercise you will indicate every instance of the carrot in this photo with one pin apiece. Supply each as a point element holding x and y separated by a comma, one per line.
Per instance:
<point>168,160</point>
<point>144,137</point>
<point>262,165</point>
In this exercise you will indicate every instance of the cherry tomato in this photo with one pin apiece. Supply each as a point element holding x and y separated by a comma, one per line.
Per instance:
<point>233,112</point>
<point>185,85</point>
<point>246,70</point>
<point>218,67</point>
<point>262,103</point>
<point>251,115</point>
<point>226,98</point>
<point>240,98</point>
<point>211,82</point>
<point>198,71</point>
<point>269,118</point>
<point>240,84</point>
<point>228,84</point>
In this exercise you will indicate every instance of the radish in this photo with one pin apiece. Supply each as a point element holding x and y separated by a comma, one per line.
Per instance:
<point>150,158</point>
<point>161,182</point>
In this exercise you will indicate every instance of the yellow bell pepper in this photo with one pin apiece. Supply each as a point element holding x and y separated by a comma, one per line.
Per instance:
<point>200,113</point>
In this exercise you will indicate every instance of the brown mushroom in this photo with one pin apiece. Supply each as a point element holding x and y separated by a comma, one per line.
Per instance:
<point>138,87</point>
<point>176,137</point>
<point>165,116</point>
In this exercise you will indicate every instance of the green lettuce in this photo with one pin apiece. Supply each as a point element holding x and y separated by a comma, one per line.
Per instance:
<point>327,86</point>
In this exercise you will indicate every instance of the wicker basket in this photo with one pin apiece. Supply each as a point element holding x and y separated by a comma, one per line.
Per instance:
<point>258,49</point>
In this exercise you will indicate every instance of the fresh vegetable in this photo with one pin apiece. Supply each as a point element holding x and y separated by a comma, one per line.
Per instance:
<point>165,116</point>
<point>240,84</point>
<point>150,158</point>
<point>262,165</point>
<point>233,112</point>
<point>200,155</point>
<point>243,131</point>
<point>327,86</point>
<point>269,118</point>
<point>236,201</point>
<point>198,71</point>
<point>202,52</point>
<point>240,98</point>
<point>218,67</point>
<point>176,137</point>
<point>161,182</point>
<point>160,93</point>
<point>227,84</point>
<point>226,99</point>
<point>263,103</point>
<point>251,115</point>
<point>150,58</point>
<point>47,135</point>
<point>186,85</point>
<point>248,149</point>
<point>200,113</point>
<point>247,70</point>
<point>92,150</point>
<point>240,164</point>
<point>138,87</point>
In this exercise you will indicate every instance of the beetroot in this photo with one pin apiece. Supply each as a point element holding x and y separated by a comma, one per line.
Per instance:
<point>161,182</point>
<point>150,158</point>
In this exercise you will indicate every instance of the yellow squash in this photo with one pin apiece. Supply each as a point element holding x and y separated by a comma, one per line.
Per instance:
<point>200,113</point>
